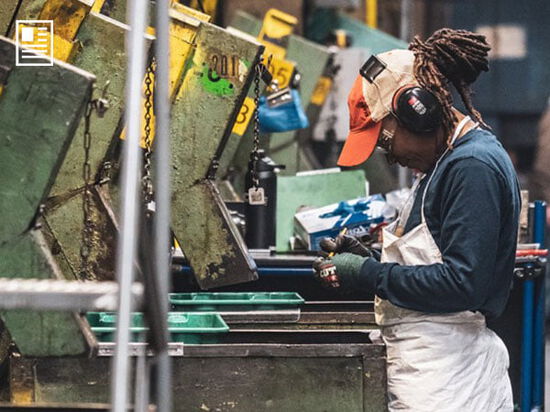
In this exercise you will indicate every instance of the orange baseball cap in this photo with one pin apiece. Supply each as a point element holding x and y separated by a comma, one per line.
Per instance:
<point>363,130</point>
<point>370,101</point>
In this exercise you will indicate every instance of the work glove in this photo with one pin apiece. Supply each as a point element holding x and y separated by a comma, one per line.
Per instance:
<point>325,272</point>
<point>343,244</point>
<point>340,271</point>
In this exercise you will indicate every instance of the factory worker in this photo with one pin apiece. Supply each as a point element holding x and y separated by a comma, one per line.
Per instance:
<point>447,261</point>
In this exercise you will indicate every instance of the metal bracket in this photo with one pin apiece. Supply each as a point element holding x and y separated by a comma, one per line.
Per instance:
<point>138,349</point>
<point>48,294</point>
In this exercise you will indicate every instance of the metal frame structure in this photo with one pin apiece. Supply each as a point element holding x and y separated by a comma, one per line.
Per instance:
<point>126,253</point>
<point>48,294</point>
<point>532,343</point>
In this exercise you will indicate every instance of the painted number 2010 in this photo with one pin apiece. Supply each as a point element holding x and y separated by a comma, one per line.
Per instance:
<point>225,66</point>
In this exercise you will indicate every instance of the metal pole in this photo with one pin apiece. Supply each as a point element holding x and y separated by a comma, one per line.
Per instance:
<point>527,344</point>
<point>143,376</point>
<point>126,249</point>
<point>405,27</point>
<point>162,185</point>
<point>538,335</point>
<point>371,18</point>
<point>527,329</point>
<point>404,33</point>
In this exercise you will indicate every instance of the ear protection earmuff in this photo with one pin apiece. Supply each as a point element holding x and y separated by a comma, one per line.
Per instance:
<point>417,109</point>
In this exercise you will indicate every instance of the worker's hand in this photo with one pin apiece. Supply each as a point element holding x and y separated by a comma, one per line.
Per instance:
<point>325,272</point>
<point>343,244</point>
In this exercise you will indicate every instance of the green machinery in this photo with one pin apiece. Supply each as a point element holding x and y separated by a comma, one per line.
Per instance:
<point>44,242</point>
<point>200,218</point>
<point>218,255</point>
<point>32,155</point>
<point>283,148</point>
<point>292,376</point>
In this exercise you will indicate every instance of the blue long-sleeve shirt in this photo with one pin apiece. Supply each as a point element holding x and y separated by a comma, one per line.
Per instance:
<point>472,209</point>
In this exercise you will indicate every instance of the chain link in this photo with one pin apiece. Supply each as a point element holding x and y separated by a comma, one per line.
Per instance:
<point>87,228</point>
<point>255,155</point>
<point>147,181</point>
<point>100,106</point>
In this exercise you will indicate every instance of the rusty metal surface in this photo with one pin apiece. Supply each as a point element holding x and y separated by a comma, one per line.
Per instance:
<point>202,118</point>
<point>30,9</point>
<point>40,108</point>
<point>39,111</point>
<point>7,9</point>
<point>65,221</point>
<point>242,377</point>
<point>102,53</point>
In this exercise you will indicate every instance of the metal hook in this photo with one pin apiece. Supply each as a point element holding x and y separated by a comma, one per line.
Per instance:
<point>102,104</point>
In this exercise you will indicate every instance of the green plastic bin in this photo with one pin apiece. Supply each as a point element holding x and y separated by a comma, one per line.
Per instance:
<point>189,328</point>
<point>234,301</point>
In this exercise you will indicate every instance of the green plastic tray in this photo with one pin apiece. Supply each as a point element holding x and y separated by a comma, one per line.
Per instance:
<point>189,328</point>
<point>234,301</point>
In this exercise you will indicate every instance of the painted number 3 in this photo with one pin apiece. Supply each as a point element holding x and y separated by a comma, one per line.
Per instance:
<point>243,114</point>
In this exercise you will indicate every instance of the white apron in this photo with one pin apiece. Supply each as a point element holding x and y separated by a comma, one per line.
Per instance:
<point>438,362</point>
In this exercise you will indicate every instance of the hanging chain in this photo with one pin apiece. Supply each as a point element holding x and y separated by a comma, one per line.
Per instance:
<point>87,228</point>
<point>256,194</point>
<point>100,105</point>
<point>147,181</point>
<point>255,155</point>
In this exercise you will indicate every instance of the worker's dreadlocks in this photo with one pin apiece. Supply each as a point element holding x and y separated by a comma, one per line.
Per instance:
<point>455,56</point>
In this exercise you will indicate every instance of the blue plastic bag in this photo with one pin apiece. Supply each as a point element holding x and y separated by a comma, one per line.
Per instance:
<point>285,115</point>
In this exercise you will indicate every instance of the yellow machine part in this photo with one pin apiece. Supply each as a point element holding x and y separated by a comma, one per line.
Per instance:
<point>210,6</point>
<point>98,4</point>
<point>321,91</point>
<point>276,26</point>
<point>372,13</point>
<point>183,29</point>
<point>245,114</point>
<point>67,16</point>
<point>281,70</point>
<point>341,38</point>
<point>180,8</point>
<point>21,395</point>
<point>63,49</point>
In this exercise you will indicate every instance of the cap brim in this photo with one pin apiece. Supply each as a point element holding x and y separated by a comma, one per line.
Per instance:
<point>359,145</point>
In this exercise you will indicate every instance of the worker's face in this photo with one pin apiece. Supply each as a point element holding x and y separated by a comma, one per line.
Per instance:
<point>409,149</point>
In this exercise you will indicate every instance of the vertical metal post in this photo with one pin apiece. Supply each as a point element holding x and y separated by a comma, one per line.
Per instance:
<point>538,335</point>
<point>405,25</point>
<point>371,17</point>
<point>162,185</point>
<point>403,174</point>
<point>527,344</point>
<point>143,372</point>
<point>131,165</point>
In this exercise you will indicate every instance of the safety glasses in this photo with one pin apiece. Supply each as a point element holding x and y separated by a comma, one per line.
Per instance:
<point>385,142</point>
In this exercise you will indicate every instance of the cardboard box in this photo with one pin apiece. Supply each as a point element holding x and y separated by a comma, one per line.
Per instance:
<point>357,215</point>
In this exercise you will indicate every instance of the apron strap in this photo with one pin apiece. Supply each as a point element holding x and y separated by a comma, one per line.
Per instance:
<point>407,207</point>
<point>458,129</point>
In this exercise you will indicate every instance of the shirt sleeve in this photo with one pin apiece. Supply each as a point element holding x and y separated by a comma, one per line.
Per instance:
<point>470,226</point>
